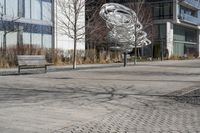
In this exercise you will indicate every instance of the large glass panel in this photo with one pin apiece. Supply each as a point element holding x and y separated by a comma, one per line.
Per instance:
<point>46,11</point>
<point>36,9</point>
<point>167,9</point>
<point>26,38</point>
<point>11,39</point>
<point>1,39</point>
<point>185,34</point>
<point>156,10</point>
<point>47,41</point>
<point>178,49</point>
<point>179,33</point>
<point>2,5</point>
<point>2,2</point>
<point>21,8</point>
<point>163,10</point>
<point>162,31</point>
<point>190,35</point>
<point>27,8</point>
<point>37,39</point>
<point>12,8</point>
<point>190,49</point>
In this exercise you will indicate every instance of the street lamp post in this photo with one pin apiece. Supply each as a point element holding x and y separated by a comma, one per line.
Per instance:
<point>125,58</point>
<point>161,56</point>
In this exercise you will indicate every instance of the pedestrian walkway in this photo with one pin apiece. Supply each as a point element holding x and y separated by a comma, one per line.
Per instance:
<point>147,98</point>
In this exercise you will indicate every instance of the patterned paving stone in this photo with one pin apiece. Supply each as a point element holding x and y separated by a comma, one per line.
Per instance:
<point>143,120</point>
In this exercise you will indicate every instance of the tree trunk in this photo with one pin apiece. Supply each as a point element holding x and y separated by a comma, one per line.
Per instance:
<point>125,59</point>
<point>74,57</point>
<point>4,43</point>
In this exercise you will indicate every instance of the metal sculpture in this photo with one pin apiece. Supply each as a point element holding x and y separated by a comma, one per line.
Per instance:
<point>124,26</point>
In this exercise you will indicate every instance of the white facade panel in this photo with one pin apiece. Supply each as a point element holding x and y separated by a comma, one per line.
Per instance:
<point>169,37</point>
<point>198,37</point>
<point>62,40</point>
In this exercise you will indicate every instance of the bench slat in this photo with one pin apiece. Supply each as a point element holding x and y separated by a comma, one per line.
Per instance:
<point>31,60</point>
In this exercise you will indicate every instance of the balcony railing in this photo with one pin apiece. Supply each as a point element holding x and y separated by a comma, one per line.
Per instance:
<point>193,3</point>
<point>189,19</point>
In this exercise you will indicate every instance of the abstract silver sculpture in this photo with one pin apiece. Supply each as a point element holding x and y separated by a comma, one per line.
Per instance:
<point>124,26</point>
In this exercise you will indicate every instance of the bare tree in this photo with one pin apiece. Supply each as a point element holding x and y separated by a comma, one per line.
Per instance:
<point>144,16</point>
<point>71,14</point>
<point>96,30</point>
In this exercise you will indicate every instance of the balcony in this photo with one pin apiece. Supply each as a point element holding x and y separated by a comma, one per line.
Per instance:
<point>189,19</point>
<point>194,4</point>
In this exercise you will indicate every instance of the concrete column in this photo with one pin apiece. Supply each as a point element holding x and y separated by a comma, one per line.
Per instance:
<point>169,37</point>
<point>198,43</point>
<point>175,10</point>
<point>55,21</point>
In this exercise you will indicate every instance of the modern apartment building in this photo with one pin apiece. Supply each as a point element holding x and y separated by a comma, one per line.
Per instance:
<point>178,25</point>
<point>34,22</point>
<point>26,22</point>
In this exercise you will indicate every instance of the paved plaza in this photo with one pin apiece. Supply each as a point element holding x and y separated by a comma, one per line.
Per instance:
<point>151,97</point>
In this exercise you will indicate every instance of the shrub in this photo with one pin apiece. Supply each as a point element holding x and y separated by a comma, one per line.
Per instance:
<point>57,56</point>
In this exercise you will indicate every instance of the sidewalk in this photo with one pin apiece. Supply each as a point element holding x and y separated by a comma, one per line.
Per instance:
<point>13,71</point>
<point>147,98</point>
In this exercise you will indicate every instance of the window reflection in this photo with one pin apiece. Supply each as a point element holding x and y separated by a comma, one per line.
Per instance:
<point>46,11</point>
<point>37,39</point>
<point>11,39</point>
<point>26,38</point>
<point>27,9</point>
<point>36,9</point>
<point>12,8</point>
<point>47,42</point>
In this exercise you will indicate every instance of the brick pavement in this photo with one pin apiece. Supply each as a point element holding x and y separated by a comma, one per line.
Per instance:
<point>159,115</point>
<point>150,97</point>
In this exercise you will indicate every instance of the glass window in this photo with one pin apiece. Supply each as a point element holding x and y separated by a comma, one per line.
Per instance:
<point>162,31</point>
<point>156,10</point>
<point>21,8</point>
<point>167,9</point>
<point>36,9</point>
<point>26,38</point>
<point>178,49</point>
<point>12,8</point>
<point>2,2</point>
<point>11,39</point>
<point>47,41</point>
<point>2,5</point>
<point>184,34</point>
<point>46,11</point>
<point>163,10</point>
<point>27,8</point>
<point>190,35</point>
<point>1,39</point>
<point>37,39</point>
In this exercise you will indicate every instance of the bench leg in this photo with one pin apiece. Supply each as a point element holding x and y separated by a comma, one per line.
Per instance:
<point>45,69</point>
<point>19,70</point>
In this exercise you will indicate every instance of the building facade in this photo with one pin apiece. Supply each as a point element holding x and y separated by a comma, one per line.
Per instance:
<point>177,23</point>
<point>26,23</point>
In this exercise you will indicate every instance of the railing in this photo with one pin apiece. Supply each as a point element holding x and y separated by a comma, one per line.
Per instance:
<point>189,19</point>
<point>194,3</point>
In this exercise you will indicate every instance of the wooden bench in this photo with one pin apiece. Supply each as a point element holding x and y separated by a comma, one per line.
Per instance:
<point>31,62</point>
